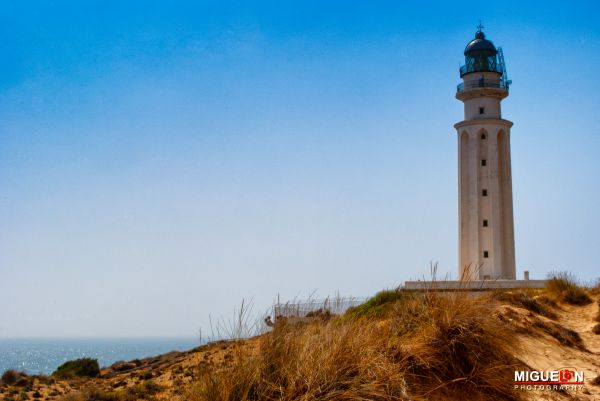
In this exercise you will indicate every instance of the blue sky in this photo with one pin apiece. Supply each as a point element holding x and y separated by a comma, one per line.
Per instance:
<point>161,162</point>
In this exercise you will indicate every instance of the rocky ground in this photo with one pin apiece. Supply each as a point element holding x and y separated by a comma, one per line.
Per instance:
<point>163,377</point>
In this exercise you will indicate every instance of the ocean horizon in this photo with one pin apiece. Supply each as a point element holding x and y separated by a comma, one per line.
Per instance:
<point>42,355</point>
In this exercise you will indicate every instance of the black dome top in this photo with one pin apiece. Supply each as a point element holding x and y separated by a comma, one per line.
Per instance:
<point>480,44</point>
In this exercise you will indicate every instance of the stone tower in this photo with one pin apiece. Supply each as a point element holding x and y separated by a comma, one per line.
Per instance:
<point>486,230</point>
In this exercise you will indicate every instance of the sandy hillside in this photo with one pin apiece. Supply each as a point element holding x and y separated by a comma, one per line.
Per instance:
<point>542,351</point>
<point>562,338</point>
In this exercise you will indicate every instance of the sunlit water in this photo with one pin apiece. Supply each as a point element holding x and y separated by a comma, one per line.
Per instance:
<point>44,355</point>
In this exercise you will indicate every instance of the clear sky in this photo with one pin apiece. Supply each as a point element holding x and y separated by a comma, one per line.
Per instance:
<point>158,163</point>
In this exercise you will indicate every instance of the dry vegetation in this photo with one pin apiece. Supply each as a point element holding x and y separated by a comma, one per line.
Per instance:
<point>564,287</point>
<point>398,345</point>
<point>144,390</point>
<point>541,304</point>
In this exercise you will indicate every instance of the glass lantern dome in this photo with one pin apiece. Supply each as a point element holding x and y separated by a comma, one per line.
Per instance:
<point>480,56</point>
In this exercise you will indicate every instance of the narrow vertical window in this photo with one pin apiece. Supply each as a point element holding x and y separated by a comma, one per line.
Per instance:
<point>484,192</point>
<point>486,254</point>
<point>483,162</point>
<point>483,136</point>
<point>482,110</point>
<point>485,223</point>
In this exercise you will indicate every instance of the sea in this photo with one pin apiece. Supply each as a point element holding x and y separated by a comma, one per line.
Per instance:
<point>44,355</point>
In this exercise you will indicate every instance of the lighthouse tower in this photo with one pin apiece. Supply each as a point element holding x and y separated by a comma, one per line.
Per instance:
<point>486,230</point>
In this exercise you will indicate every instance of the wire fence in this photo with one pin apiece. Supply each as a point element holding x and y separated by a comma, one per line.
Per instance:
<point>335,306</point>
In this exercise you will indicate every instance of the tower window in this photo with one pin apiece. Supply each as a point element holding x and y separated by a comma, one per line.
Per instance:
<point>483,136</point>
<point>484,192</point>
<point>483,162</point>
<point>485,223</point>
<point>486,254</point>
<point>482,110</point>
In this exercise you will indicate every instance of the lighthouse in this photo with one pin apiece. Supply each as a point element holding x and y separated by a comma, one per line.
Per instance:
<point>486,228</point>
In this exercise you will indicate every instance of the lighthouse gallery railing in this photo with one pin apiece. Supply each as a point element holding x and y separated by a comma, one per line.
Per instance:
<point>482,83</point>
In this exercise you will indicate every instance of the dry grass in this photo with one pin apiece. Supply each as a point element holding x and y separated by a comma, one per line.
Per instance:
<point>20,379</point>
<point>540,305</point>
<point>144,390</point>
<point>564,287</point>
<point>418,347</point>
<point>10,376</point>
<point>564,335</point>
<point>594,288</point>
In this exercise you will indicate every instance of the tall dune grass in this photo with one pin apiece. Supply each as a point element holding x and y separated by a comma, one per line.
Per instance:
<point>418,347</point>
<point>564,287</point>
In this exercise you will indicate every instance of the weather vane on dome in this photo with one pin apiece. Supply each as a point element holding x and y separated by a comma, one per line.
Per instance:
<point>480,26</point>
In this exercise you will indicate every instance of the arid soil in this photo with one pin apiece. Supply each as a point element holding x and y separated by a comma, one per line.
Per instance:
<point>542,351</point>
<point>168,375</point>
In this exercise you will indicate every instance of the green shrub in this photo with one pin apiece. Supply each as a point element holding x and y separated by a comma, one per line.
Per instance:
<point>378,305</point>
<point>85,367</point>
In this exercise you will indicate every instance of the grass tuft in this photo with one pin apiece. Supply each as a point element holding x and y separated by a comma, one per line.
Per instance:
<point>564,335</point>
<point>563,286</point>
<point>540,306</point>
<point>10,376</point>
<point>13,377</point>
